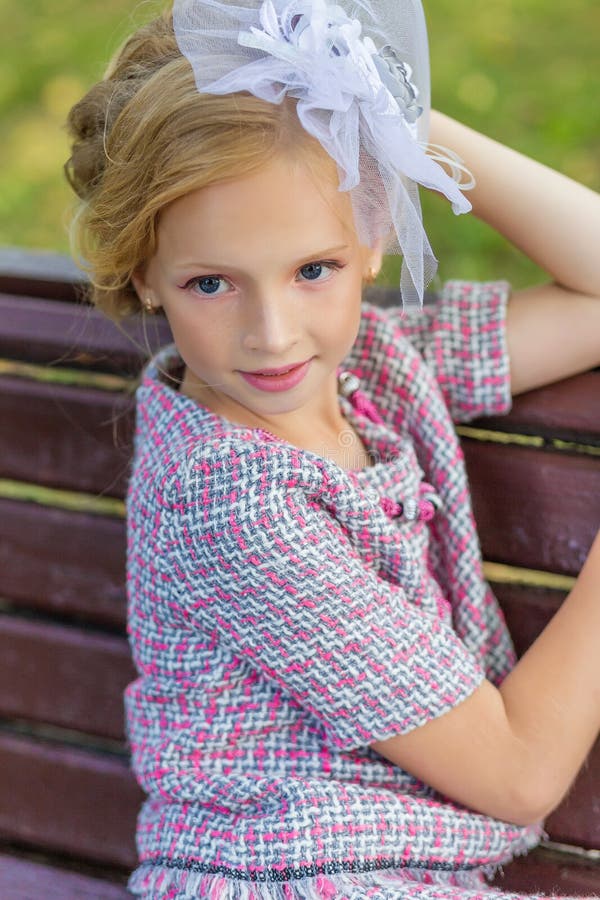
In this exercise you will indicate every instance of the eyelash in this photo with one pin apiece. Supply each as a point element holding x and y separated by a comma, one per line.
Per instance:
<point>332,264</point>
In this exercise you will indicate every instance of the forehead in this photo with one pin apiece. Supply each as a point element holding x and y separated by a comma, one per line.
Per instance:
<point>284,202</point>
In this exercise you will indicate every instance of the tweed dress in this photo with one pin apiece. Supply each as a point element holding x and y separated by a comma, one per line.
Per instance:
<point>286,612</point>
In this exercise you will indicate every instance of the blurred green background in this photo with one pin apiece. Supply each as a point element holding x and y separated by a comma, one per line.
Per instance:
<point>526,72</point>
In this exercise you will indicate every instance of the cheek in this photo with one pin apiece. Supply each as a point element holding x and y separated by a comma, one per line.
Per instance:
<point>204,359</point>
<point>197,336</point>
<point>343,315</point>
<point>337,329</point>
<point>197,322</point>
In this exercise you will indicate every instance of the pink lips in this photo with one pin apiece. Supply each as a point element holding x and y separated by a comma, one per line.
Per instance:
<point>280,379</point>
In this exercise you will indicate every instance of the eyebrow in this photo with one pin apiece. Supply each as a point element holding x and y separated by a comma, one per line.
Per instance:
<point>319,254</point>
<point>323,254</point>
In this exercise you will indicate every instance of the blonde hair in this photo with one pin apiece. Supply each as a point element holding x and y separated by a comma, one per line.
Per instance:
<point>144,137</point>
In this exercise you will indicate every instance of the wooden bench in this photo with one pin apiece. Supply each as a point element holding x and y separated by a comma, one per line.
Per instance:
<point>68,800</point>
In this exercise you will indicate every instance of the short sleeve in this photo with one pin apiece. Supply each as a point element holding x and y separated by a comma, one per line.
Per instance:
<point>462,337</point>
<point>267,566</point>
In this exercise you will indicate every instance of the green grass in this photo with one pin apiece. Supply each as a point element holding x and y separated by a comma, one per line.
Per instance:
<point>50,53</point>
<point>524,71</point>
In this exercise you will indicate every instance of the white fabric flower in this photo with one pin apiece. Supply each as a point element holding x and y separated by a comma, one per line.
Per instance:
<point>320,40</point>
<point>367,106</point>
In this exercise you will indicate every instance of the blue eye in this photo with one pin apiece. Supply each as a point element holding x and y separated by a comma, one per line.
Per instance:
<point>208,285</point>
<point>211,284</point>
<point>319,270</point>
<point>312,271</point>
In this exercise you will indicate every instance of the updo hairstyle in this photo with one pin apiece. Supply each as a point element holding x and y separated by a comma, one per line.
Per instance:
<point>144,137</point>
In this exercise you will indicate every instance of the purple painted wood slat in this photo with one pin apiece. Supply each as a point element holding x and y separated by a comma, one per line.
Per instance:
<point>69,563</point>
<point>576,820</point>
<point>39,274</point>
<point>546,872</point>
<point>50,332</point>
<point>68,800</point>
<point>527,610</point>
<point>62,436</point>
<point>65,676</point>
<point>568,409</point>
<point>534,508</point>
<point>21,879</point>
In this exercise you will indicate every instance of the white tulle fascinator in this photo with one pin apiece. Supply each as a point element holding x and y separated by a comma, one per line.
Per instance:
<point>360,76</point>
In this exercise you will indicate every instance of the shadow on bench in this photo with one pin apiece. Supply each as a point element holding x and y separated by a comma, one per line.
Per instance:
<point>68,801</point>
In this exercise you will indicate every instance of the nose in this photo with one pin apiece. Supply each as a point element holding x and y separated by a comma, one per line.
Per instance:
<point>272,323</point>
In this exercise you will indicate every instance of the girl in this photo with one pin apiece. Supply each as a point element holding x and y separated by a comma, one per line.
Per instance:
<point>327,704</point>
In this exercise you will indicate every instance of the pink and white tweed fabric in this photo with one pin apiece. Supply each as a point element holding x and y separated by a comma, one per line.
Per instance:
<point>282,619</point>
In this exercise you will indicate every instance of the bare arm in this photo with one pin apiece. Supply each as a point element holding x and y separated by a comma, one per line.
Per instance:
<point>513,752</point>
<point>553,329</point>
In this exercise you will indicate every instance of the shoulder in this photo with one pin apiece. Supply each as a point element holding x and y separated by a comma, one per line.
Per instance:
<point>380,326</point>
<point>245,466</point>
<point>185,455</point>
<point>389,363</point>
<point>456,343</point>
<point>244,492</point>
<point>382,339</point>
<point>455,303</point>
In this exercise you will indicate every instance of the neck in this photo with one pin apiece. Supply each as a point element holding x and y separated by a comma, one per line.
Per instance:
<point>319,427</point>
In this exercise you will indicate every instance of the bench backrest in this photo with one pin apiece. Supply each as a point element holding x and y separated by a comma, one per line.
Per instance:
<point>66,418</point>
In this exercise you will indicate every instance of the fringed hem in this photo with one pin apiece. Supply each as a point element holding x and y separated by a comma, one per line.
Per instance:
<point>164,883</point>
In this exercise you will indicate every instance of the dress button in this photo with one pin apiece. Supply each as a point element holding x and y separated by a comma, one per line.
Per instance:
<point>348,383</point>
<point>411,510</point>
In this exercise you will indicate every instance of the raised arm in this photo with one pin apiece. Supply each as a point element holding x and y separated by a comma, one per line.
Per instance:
<point>513,752</point>
<point>554,328</point>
